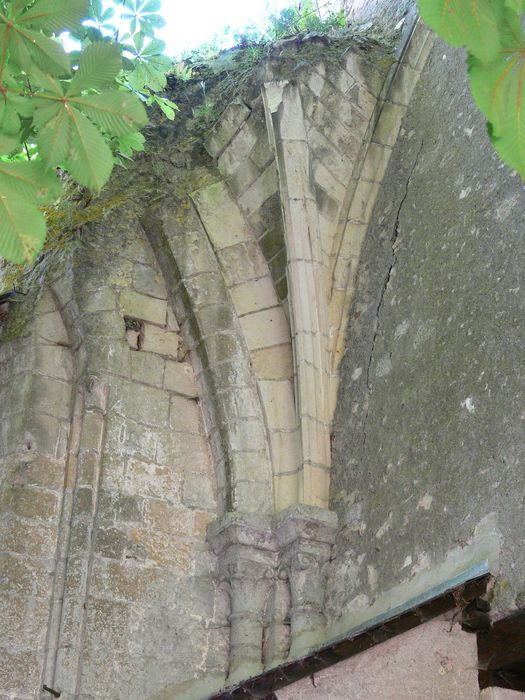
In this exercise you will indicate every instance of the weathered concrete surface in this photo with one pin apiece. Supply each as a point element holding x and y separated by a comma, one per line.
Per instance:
<point>435,660</point>
<point>428,435</point>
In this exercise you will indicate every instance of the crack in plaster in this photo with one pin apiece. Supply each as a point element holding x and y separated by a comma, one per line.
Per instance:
<point>386,283</point>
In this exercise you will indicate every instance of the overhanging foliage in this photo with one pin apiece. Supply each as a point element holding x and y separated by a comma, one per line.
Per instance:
<point>491,31</point>
<point>78,112</point>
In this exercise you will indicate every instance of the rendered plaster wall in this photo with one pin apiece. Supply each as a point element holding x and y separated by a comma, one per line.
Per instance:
<point>428,437</point>
<point>385,12</point>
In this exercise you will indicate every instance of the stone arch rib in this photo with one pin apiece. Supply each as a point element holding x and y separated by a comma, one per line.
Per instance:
<point>232,409</point>
<point>248,279</point>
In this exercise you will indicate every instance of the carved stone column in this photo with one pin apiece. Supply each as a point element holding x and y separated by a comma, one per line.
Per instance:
<point>305,535</point>
<point>246,548</point>
<point>277,636</point>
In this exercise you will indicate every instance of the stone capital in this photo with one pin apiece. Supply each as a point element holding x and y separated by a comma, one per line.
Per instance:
<point>305,523</point>
<point>305,535</point>
<point>246,529</point>
<point>245,545</point>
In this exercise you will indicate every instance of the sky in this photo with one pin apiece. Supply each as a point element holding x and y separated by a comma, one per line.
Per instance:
<point>191,23</point>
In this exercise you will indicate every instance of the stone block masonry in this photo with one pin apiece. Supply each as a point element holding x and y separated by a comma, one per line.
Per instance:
<point>219,416</point>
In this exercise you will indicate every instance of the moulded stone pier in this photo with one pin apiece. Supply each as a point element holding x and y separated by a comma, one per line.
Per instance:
<point>246,548</point>
<point>276,644</point>
<point>305,535</point>
<point>276,571</point>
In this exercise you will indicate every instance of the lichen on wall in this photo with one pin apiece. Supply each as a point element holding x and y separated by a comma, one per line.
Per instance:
<point>428,447</point>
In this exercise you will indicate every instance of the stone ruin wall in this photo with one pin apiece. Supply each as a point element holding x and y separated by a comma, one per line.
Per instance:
<point>428,443</point>
<point>170,486</point>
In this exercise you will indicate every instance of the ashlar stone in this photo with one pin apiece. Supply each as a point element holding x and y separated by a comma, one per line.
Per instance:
<point>141,403</point>
<point>147,367</point>
<point>222,219</point>
<point>184,415</point>
<point>144,307</point>
<point>232,119</point>
<point>147,280</point>
<point>265,328</point>
<point>160,341</point>
<point>178,377</point>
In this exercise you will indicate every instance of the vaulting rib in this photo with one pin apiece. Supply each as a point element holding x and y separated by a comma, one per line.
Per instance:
<point>307,277</point>
<point>211,328</point>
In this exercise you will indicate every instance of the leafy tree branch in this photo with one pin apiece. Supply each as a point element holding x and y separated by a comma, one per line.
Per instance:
<point>492,33</point>
<point>76,112</point>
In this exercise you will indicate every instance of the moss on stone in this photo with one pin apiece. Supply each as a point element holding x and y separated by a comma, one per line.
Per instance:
<point>175,161</point>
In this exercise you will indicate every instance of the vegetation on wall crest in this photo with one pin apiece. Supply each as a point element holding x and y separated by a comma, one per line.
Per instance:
<point>69,117</point>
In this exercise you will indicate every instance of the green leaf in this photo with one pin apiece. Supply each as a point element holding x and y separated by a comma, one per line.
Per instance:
<point>96,8</point>
<point>470,23</point>
<point>510,142</point>
<point>9,120</point>
<point>45,111</point>
<point>18,5</point>
<point>147,74</point>
<point>491,84</point>
<point>55,16</point>
<point>22,228</point>
<point>46,82</point>
<point>117,112</point>
<point>131,142</point>
<point>27,46</point>
<point>499,91</point>
<point>151,6</point>
<point>168,107</point>
<point>516,5</point>
<point>138,40</point>
<point>109,13</point>
<point>54,139</point>
<point>99,65</point>
<point>29,179</point>
<point>90,35</point>
<point>23,105</point>
<point>8,143</point>
<point>154,48</point>
<point>90,161</point>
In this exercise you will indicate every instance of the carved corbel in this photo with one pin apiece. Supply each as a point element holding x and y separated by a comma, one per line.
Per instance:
<point>305,535</point>
<point>246,549</point>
